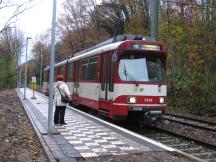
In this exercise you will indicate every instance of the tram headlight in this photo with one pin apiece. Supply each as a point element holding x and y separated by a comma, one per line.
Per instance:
<point>131,99</point>
<point>162,100</point>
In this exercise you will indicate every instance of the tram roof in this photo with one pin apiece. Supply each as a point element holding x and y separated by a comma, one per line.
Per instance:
<point>108,45</point>
<point>93,52</point>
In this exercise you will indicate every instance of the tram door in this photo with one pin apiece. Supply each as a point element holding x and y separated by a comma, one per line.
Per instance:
<point>76,82</point>
<point>107,77</point>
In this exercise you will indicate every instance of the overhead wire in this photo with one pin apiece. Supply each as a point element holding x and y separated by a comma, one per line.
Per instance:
<point>187,3</point>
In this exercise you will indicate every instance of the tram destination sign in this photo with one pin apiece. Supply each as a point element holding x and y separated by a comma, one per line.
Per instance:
<point>150,47</point>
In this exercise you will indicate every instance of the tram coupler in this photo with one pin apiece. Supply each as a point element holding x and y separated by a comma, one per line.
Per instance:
<point>151,118</point>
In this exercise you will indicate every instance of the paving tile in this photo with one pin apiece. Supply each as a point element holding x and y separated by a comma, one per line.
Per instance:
<point>82,136</point>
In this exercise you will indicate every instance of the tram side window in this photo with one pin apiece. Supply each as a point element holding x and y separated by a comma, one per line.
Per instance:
<point>77,74</point>
<point>70,72</point>
<point>46,75</point>
<point>62,69</point>
<point>111,81</point>
<point>103,73</point>
<point>84,68</point>
<point>92,71</point>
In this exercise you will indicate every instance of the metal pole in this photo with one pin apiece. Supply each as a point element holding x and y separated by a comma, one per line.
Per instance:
<point>51,78</point>
<point>17,80</point>
<point>19,76</point>
<point>41,70</point>
<point>19,58</point>
<point>154,18</point>
<point>26,66</point>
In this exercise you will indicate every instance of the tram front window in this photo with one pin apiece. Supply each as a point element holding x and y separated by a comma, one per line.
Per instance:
<point>141,69</point>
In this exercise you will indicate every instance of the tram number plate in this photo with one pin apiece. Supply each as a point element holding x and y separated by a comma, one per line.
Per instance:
<point>137,109</point>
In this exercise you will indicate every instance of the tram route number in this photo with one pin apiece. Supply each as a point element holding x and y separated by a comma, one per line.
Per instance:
<point>136,108</point>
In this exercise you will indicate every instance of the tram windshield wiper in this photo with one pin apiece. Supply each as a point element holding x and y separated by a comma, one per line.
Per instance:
<point>128,75</point>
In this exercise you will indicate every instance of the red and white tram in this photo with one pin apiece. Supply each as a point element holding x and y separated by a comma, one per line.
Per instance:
<point>120,78</point>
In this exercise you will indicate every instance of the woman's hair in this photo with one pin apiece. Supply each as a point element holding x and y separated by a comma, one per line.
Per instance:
<point>59,78</point>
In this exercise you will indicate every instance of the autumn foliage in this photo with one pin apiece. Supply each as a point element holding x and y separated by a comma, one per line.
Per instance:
<point>187,27</point>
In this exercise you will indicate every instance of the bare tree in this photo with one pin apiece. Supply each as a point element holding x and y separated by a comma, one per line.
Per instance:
<point>78,26</point>
<point>41,48</point>
<point>12,41</point>
<point>13,9</point>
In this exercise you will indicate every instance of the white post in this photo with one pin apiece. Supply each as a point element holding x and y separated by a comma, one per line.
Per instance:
<point>34,81</point>
<point>26,66</point>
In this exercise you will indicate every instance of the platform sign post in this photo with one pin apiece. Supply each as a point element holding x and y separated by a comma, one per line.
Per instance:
<point>51,74</point>
<point>33,86</point>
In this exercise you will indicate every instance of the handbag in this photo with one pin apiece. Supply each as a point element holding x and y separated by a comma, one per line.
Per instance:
<point>64,99</point>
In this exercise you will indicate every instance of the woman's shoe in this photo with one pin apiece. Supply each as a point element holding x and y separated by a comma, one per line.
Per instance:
<point>63,123</point>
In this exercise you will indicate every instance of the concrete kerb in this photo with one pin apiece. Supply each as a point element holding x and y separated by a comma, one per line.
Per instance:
<point>189,156</point>
<point>48,152</point>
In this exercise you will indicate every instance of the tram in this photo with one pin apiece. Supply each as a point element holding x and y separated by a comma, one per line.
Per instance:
<point>121,78</point>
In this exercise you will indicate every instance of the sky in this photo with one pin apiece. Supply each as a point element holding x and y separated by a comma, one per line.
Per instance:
<point>39,18</point>
<point>35,20</point>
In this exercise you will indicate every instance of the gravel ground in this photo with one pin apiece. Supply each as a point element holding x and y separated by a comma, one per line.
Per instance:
<point>19,145</point>
<point>17,139</point>
<point>144,157</point>
<point>203,135</point>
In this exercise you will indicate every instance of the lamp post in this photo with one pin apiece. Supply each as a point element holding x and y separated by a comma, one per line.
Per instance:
<point>26,66</point>
<point>41,69</point>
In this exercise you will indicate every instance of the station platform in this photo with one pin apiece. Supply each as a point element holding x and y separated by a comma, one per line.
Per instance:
<point>84,136</point>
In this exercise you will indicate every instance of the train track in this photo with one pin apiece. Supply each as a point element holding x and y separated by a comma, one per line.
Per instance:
<point>203,151</point>
<point>196,123</point>
<point>199,149</point>
<point>195,148</point>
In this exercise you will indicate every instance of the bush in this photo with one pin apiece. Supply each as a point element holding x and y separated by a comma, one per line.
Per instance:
<point>7,73</point>
<point>196,92</point>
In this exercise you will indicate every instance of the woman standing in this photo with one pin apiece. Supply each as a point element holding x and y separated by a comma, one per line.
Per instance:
<point>60,88</point>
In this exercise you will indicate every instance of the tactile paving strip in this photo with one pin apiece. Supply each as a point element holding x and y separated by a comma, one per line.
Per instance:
<point>91,139</point>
